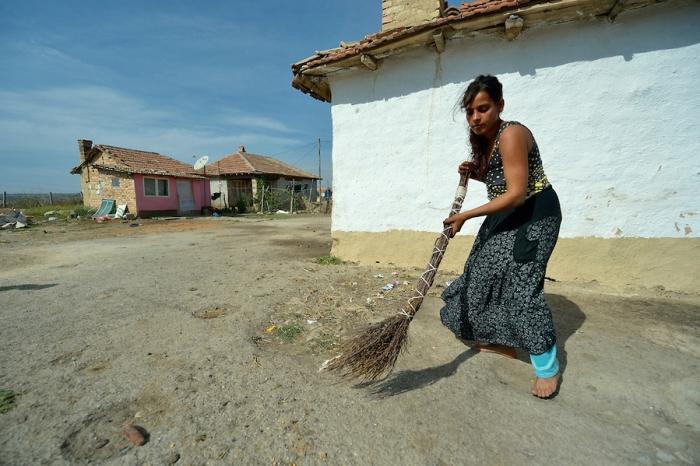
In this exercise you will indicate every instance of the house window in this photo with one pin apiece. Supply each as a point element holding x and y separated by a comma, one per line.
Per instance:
<point>155,187</point>
<point>115,182</point>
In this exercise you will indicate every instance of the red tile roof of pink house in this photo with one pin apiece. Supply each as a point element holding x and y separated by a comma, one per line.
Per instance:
<point>125,160</point>
<point>488,16</point>
<point>245,163</point>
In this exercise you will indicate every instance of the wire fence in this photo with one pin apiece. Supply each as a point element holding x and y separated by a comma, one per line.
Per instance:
<point>27,200</point>
<point>269,199</point>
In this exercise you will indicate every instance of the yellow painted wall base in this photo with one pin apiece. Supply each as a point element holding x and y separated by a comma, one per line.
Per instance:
<point>671,263</point>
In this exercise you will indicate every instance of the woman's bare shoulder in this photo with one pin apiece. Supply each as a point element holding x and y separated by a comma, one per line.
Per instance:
<point>516,133</point>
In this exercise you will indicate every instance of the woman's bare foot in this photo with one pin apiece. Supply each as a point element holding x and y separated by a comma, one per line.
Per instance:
<point>546,388</point>
<point>506,351</point>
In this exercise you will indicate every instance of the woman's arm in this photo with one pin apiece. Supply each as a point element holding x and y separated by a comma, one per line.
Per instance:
<point>514,147</point>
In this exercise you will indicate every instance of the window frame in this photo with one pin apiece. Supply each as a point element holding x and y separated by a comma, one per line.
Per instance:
<point>156,179</point>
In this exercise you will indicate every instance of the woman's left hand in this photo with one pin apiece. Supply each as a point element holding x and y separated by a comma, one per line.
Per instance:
<point>455,221</point>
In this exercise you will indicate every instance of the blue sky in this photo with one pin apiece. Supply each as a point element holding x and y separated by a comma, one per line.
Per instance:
<point>180,78</point>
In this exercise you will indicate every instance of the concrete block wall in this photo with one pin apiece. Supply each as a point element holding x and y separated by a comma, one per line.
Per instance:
<point>400,13</point>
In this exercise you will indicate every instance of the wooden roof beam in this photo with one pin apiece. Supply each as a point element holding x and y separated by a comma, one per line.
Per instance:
<point>369,61</point>
<point>439,41</point>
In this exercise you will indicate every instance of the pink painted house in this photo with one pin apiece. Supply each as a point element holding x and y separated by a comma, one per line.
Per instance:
<point>147,182</point>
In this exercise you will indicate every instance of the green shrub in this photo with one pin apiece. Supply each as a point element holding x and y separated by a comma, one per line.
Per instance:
<point>324,343</point>
<point>83,211</point>
<point>62,211</point>
<point>7,400</point>
<point>329,260</point>
<point>288,332</point>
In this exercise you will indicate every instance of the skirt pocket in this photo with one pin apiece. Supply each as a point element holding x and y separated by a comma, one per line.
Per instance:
<point>524,249</point>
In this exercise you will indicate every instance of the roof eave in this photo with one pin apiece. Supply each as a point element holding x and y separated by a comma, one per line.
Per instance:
<point>132,171</point>
<point>311,74</point>
<point>261,173</point>
<point>90,156</point>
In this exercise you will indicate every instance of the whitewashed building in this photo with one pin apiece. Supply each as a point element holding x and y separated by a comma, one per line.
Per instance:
<point>608,87</point>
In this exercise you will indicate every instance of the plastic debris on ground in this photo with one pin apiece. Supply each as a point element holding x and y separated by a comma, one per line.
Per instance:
<point>14,219</point>
<point>121,211</point>
<point>391,286</point>
<point>281,212</point>
<point>379,275</point>
<point>311,321</point>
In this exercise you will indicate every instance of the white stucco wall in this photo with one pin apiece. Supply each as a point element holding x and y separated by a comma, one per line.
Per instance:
<point>614,109</point>
<point>219,185</point>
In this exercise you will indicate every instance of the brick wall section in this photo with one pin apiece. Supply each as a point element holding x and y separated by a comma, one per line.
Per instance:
<point>399,13</point>
<point>98,184</point>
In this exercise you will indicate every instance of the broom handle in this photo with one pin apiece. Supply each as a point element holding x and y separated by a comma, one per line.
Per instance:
<point>426,279</point>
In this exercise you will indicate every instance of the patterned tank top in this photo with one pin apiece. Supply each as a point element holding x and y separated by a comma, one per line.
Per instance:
<point>495,179</point>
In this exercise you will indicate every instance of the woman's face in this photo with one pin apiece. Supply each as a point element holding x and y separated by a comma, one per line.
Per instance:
<point>483,114</point>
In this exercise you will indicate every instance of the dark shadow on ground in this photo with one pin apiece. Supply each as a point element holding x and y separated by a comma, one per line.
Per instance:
<point>27,287</point>
<point>408,380</point>
<point>567,316</point>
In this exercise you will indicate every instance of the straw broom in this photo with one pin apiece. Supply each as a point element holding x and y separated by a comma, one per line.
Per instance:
<point>373,353</point>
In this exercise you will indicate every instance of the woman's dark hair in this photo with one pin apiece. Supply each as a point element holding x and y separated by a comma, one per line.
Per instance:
<point>492,86</point>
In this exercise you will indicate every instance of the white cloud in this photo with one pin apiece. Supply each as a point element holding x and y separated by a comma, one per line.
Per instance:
<point>260,122</point>
<point>40,128</point>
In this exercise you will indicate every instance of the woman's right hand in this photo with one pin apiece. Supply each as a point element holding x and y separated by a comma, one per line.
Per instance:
<point>466,167</point>
<point>455,223</point>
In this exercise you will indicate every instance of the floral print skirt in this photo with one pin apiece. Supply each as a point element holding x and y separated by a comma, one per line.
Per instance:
<point>499,298</point>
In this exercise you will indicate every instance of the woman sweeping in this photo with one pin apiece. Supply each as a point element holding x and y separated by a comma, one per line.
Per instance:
<point>499,299</point>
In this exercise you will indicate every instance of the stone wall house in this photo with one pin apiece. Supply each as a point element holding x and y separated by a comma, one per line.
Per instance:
<point>608,87</point>
<point>147,182</point>
<point>235,177</point>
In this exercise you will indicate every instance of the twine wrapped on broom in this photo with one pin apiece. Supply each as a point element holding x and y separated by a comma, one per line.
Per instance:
<point>373,353</point>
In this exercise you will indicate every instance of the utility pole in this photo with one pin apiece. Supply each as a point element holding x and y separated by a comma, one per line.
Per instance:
<point>318,183</point>
<point>291,199</point>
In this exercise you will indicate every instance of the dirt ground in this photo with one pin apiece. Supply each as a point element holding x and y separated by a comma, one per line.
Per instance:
<point>208,333</point>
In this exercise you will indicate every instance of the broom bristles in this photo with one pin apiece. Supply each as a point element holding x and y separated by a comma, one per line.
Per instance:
<point>372,353</point>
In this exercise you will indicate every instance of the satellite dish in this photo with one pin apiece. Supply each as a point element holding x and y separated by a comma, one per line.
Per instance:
<point>201,162</point>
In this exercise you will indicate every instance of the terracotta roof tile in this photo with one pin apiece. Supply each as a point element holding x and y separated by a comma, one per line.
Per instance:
<point>245,163</point>
<point>453,14</point>
<point>139,161</point>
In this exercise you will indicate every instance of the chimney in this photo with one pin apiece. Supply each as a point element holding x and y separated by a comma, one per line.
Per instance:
<point>241,148</point>
<point>403,13</point>
<point>84,145</point>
